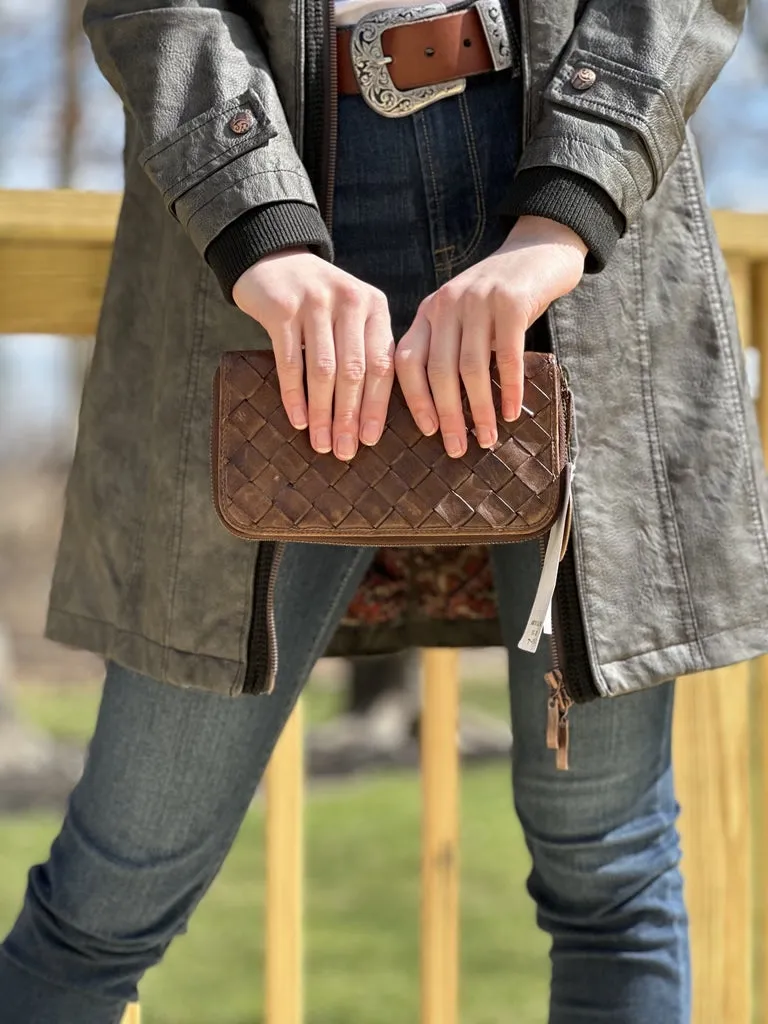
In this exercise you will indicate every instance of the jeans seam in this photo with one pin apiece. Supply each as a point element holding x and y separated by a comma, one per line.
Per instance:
<point>447,249</point>
<point>479,231</point>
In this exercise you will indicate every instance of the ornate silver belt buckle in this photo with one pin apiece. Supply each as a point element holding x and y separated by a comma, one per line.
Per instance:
<point>370,63</point>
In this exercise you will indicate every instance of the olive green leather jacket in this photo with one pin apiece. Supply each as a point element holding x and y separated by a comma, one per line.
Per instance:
<point>670,542</point>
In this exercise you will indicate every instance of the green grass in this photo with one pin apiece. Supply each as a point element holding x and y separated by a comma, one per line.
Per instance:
<point>362,900</point>
<point>70,712</point>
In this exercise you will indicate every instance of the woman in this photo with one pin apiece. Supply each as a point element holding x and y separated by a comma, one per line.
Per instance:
<point>253,139</point>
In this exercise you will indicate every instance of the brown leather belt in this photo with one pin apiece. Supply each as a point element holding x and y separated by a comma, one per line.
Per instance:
<point>425,52</point>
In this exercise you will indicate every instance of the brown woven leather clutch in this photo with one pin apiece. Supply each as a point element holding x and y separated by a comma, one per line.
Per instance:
<point>269,484</point>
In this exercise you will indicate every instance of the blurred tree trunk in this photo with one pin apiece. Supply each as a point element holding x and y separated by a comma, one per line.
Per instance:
<point>74,52</point>
<point>34,769</point>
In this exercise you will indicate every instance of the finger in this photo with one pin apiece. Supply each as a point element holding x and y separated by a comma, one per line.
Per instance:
<point>349,339</point>
<point>510,346</point>
<point>379,374</point>
<point>411,358</point>
<point>289,361</point>
<point>443,374</point>
<point>475,368</point>
<point>320,357</point>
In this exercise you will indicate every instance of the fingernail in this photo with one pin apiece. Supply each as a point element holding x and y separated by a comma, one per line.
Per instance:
<point>298,418</point>
<point>486,438</point>
<point>371,432</point>
<point>345,447</point>
<point>509,413</point>
<point>427,425</point>
<point>454,446</point>
<point>322,440</point>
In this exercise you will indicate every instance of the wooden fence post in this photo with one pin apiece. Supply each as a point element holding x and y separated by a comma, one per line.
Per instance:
<point>58,242</point>
<point>712,773</point>
<point>712,766</point>
<point>440,838</point>
<point>760,683</point>
<point>284,916</point>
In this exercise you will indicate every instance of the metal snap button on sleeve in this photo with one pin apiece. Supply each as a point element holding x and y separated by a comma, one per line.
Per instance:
<point>584,78</point>
<point>242,122</point>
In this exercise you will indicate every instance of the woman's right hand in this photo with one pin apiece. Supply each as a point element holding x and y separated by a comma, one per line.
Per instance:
<point>340,327</point>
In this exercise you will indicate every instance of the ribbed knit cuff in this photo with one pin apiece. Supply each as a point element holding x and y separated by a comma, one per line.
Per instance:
<point>573,200</point>
<point>262,231</point>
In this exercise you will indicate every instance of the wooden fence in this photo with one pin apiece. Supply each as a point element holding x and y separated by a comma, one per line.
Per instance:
<point>54,255</point>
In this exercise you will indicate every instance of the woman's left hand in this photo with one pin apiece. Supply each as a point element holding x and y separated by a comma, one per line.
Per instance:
<point>487,308</point>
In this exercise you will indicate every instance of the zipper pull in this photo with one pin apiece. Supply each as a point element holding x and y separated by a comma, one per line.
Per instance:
<point>558,727</point>
<point>538,619</point>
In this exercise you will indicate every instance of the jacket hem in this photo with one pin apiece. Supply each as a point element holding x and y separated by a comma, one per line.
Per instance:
<point>704,654</point>
<point>190,670</point>
<point>186,669</point>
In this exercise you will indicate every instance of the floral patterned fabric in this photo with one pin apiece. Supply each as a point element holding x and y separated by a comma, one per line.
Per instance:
<point>426,596</point>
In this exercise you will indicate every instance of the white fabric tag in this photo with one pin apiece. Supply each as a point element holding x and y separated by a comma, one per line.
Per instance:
<point>548,620</point>
<point>540,619</point>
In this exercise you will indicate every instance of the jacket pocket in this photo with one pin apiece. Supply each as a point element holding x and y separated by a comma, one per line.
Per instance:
<point>622,95</point>
<point>199,147</point>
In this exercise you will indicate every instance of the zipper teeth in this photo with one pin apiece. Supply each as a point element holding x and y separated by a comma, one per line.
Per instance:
<point>365,540</point>
<point>554,650</point>
<point>332,108</point>
<point>214,474</point>
<point>272,653</point>
<point>525,67</point>
<point>579,692</point>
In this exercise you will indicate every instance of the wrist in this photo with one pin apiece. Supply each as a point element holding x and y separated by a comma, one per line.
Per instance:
<point>534,230</point>
<point>242,281</point>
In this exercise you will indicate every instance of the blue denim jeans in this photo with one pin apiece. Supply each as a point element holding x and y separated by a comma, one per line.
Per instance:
<point>170,773</point>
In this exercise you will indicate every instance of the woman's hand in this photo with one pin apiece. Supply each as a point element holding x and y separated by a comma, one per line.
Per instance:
<point>340,327</point>
<point>488,307</point>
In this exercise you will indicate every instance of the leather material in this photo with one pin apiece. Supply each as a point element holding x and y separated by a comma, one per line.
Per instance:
<point>269,483</point>
<point>186,71</point>
<point>670,525</point>
<point>424,52</point>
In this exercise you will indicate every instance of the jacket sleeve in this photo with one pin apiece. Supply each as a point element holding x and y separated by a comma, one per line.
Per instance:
<point>216,143</point>
<point>615,110</point>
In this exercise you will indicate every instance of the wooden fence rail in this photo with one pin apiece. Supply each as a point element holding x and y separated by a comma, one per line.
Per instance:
<point>54,256</point>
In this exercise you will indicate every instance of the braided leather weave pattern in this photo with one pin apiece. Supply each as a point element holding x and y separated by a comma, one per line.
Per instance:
<point>269,484</point>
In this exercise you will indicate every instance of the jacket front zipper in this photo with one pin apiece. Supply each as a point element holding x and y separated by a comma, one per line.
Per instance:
<point>318,148</point>
<point>572,683</point>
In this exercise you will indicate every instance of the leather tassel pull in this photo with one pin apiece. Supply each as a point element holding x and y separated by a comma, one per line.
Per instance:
<point>553,724</point>
<point>558,726</point>
<point>563,743</point>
